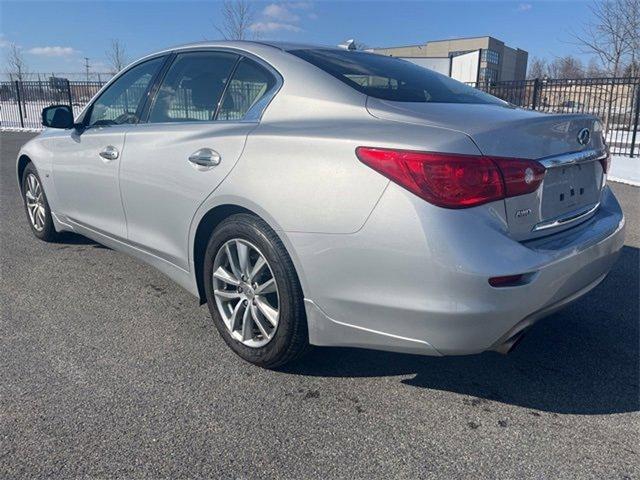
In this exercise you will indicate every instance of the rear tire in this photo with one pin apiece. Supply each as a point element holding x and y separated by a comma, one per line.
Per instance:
<point>36,205</point>
<point>258,298</point>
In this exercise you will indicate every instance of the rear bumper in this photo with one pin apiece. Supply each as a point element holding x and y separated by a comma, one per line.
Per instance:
<point>505,343</point>
<point>418,283</point>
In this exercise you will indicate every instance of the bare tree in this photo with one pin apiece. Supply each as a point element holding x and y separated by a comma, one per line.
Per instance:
<point>632,70</point>
<point>610,35</point>
<point>237,17</point>
<point>16,66</point>
<point>594,70</point>
<point>632,34</point>
<point>117,56</point>
<point>566,67</point>
<point>538,68</point>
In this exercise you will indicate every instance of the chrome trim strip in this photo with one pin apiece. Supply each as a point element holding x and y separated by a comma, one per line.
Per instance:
<point>573,158</point>
<point>563,221</point>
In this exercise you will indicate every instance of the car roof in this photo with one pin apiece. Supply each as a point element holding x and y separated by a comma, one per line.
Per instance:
<point>296,46</point>
<point>246,44</point>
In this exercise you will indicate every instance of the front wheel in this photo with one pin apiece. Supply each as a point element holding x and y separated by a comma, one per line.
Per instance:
<point>253,292</point>
<point>36,205</point>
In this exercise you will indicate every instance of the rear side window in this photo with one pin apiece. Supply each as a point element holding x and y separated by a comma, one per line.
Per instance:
<point>192,87</point>
<point>391,78</point>
<point>250,86</point>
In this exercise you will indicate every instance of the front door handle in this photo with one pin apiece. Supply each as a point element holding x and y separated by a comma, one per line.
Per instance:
<point>109,153</point>
<point>205,157</point>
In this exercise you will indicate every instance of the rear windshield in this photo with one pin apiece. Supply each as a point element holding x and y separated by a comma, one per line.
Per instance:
<point>391,78</point>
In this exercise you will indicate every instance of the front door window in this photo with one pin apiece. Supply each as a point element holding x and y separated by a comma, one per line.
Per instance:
<point>122,101</point>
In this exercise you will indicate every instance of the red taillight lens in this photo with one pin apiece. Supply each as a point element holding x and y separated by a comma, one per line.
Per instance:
<point>506,281</point>
<point>451,180</point>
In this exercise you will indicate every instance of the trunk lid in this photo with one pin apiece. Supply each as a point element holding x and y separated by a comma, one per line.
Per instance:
<point>574,177</point>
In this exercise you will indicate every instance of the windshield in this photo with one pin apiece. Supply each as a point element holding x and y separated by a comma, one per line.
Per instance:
<point>390,78</point>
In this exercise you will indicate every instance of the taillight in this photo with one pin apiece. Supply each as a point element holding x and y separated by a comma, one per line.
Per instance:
<point>453,180</point>
<point>520,176</point>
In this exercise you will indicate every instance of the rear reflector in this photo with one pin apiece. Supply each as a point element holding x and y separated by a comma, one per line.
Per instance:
<point>506,281</point>
<point>452,180</point>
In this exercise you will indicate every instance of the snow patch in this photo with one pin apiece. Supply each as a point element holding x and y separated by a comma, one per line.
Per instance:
<point>18,129</point>
<point>625,170</point>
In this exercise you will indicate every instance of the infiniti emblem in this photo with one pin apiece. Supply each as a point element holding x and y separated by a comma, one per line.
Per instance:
<point>584,136</point>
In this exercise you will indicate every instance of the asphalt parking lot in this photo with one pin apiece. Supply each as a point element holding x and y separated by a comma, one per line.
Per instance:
<point>110,370</point>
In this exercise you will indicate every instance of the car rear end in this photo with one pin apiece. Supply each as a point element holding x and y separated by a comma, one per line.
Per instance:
<point>455,281</point>
<point>463,252</point>
<point>559,228</point>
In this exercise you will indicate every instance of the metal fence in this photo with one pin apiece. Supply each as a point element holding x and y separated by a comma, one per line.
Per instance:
<point>21,103</point>
<point>44,76</point>
<point>616,101</point>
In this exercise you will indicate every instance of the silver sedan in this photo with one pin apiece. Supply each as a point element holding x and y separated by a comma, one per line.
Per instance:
<point>319,196</point>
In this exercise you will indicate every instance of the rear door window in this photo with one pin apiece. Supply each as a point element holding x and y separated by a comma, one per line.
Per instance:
<point>192,88</point>
<point>390,78</point>
<point>250,87</point>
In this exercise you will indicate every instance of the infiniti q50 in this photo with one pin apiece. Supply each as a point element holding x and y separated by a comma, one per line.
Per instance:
<point>319,196</point>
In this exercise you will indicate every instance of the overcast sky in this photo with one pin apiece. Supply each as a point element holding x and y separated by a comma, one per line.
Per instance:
<point>55,36</point>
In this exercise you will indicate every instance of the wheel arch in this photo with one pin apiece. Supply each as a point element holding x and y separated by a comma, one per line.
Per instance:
<point>23,161</point>
<point>207,224</point>
<point>205,228</point>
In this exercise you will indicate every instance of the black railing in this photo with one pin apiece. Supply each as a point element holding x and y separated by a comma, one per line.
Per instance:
<point>616,101</point>
<point>21,103</point>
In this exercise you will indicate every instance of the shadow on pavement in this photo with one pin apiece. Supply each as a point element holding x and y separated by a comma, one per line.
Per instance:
<point>70,238</point>
<point>583,360</point>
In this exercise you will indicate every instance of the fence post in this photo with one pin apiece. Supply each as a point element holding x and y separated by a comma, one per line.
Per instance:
<point>635,121</point>
<point>69,94</point>
<point>19,103</point>
<point>534,100</point>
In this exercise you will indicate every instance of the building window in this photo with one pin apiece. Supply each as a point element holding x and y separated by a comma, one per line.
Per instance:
<point>488,74</point>
<point>459,52</point>
<point>490,56</point>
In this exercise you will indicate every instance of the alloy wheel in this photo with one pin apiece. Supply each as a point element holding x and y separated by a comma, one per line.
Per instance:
<point>35,202</point>
<point>246,293</point>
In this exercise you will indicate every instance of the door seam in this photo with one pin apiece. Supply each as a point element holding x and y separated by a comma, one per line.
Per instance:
<point>124,210</point>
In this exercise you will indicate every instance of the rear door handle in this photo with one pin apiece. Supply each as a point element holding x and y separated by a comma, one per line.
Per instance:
<point>109,153</point>
<point>205,157</point>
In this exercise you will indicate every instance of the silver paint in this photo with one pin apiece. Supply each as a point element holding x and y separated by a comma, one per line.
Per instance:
<point>379,267</point>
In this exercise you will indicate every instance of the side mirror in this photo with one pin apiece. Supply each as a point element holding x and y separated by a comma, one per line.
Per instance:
<point>57,116</point>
